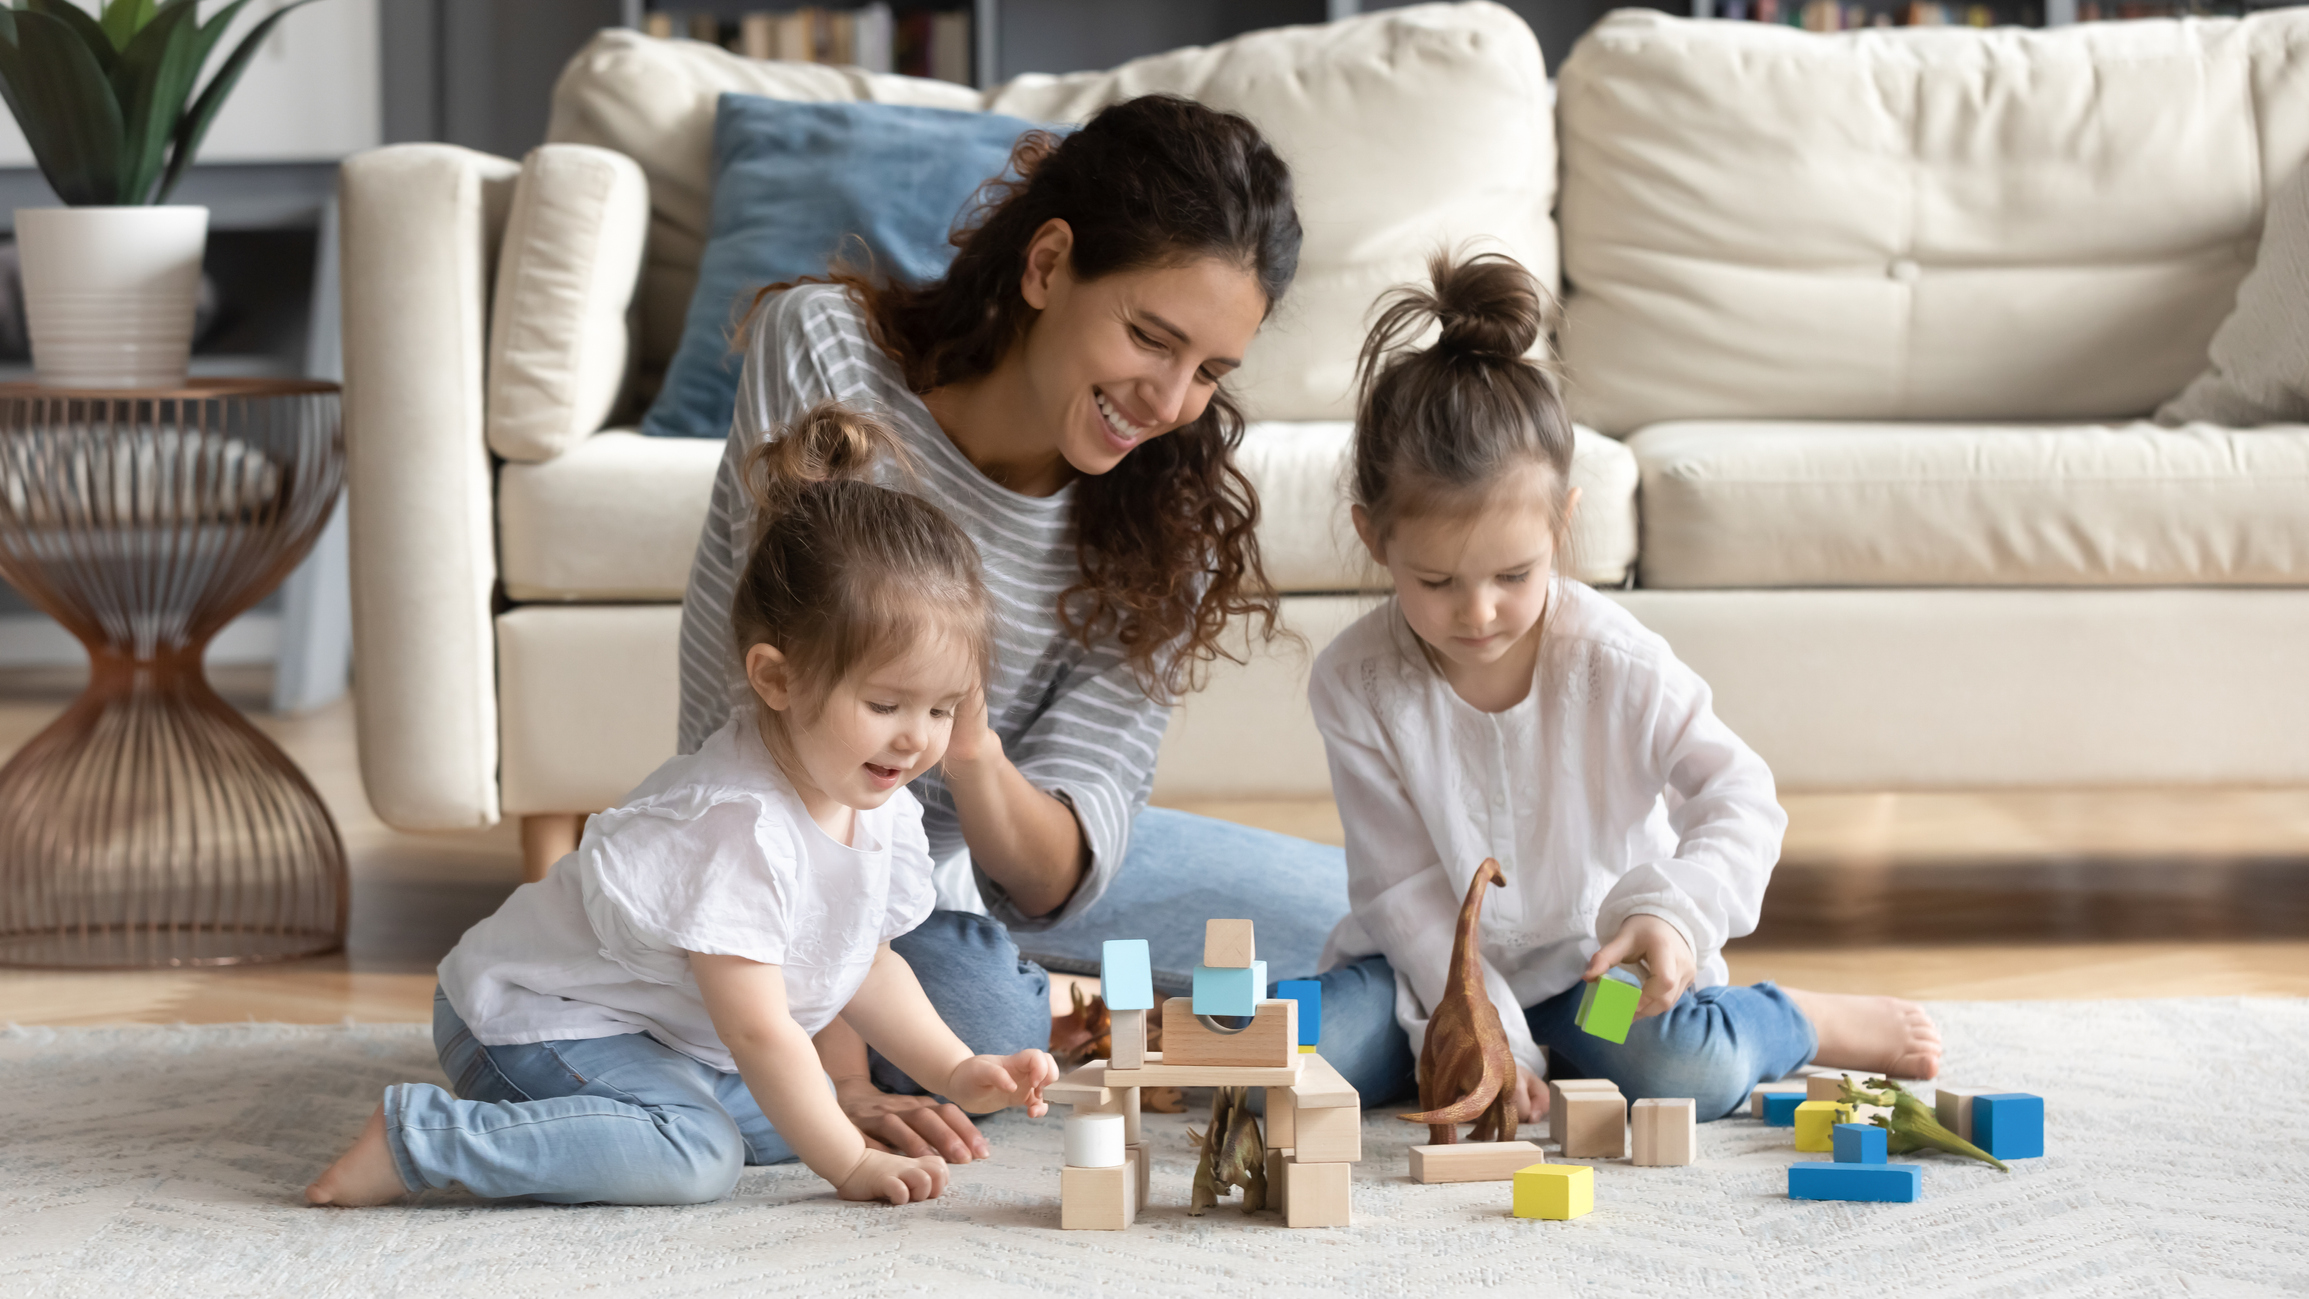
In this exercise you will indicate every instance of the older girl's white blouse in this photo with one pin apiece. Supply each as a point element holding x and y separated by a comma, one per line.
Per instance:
<point>714,853</point>
<point>1611,790</point>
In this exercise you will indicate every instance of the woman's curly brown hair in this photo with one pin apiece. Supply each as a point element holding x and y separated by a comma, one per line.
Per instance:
<point>1165,540</point>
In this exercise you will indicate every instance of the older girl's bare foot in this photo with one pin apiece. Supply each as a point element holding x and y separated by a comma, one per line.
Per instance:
<point>1877,1034</point>
<point>364,1174</point>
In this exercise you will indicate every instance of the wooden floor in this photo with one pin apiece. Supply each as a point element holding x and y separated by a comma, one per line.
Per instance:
<point>2134,893</point>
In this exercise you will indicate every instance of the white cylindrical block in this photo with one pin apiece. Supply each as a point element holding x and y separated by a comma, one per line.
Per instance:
<point>1094,1141</point>
<point>109,292</point>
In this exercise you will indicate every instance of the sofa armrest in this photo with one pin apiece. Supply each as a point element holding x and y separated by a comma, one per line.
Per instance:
<point>421,226</point>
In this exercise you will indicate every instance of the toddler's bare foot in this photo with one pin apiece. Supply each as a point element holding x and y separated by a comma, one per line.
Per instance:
<point>1877,1034</point>
<point>363,1175</point>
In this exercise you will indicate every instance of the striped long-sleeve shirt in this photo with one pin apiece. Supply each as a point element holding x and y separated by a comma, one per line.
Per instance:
<point>1073,720</point>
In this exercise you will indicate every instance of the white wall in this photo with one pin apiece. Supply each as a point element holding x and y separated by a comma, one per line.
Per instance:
<point>310,95</point>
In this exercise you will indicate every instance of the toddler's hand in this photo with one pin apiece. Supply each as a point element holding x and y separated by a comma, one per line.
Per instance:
<point>989,1082</point>
<point>1666,957</point>
<point>895,1178</point>
<point>1530,1096</point>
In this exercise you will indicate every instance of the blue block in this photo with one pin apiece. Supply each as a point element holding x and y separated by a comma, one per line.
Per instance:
<point>1780,1108</point>
<point>1126,975</point>
<point>2009,1125</point>
<point>1859,1143</point>
<point>1309,994</point>
<point>1230,991</point>
<point>1880,1183</point>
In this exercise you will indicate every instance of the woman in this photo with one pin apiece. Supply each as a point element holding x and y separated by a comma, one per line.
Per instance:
<point>1061,389</point>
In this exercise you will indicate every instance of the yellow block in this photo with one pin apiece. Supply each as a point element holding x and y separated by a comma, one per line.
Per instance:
<point>1557,1192</point>
<point>1816,1124</point>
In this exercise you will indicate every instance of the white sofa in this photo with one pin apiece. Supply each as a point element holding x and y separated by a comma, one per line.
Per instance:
<point>1863,330</point>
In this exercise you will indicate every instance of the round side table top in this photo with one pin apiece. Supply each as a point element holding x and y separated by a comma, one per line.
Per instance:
<point>193,390</point>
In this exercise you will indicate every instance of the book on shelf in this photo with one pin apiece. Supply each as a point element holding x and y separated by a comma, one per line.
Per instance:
<point>873,36</point>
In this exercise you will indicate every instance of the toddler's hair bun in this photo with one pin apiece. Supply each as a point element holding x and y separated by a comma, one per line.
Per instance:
<point>1489,306</point>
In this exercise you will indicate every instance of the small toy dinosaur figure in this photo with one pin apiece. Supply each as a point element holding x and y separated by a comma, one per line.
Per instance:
<point>1465,1069</point>
<point>1234,1154</point>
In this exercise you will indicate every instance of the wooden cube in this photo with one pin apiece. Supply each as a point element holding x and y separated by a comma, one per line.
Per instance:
<point>1557,1089</point>
<point>1315,1195</point>
<point>1764,1091</point>
<point>1780,1108</point>
<point>1225,990</point>
<point>1816,1125</point>
<point>1099,1199</point>
<point>1860,1143</point>
<point>1557,1192</point>
<point>1282,1118</point>
<point>1328,1136</point>
<point>1128,1039</point>
<point>1473,1161</point>
<point>1319,1086</point>
<point>1269,1041</point>
<point>1595,1125</point>
<point>1953,1107</point>
<point>1824,1087</point>
<point>1126,974</point>
<point>1666,1131</point>
<point>1608,1008</point>
<point>2009,1125</point>
<point>1227,944</point>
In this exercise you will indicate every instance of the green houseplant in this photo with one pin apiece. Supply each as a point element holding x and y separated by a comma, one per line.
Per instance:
<point>108,102</point>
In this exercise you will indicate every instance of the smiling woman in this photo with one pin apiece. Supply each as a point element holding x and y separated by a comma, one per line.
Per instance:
<point>1061,391</point>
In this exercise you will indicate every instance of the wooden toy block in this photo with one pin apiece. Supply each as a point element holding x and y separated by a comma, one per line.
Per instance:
<point>1315,1195</point>
<point>1595,1125</point>
<point>1085,1089</point>
<point>1095,1141</point>
<point>1556,1192</point>
<point>1126,1100</point>
<point>1608,1008</point>
<point>1953,1107</point>
<point>1557,1088</point>
<point>1859,1143</point>
<point>1282,1118</point>
<point>1666,1131</point>
<point>1879,1183</point>
<point>1097,1199</point>
<point>1762,1090</point>
<point>1473,1161</point>
<point>2009,1125</point>
<point>1127,1039</point>
<point>1126,974</point>
<point>1157,1073</point>
<point>1227,945</point>
<point>1142,1175</point>
<point>1270,1040</point>
<point>1824,1087</point>
<point>1309,994</point>
<point>1332,1136</point>
<point>1780,1108</point>
<point>1321,1088</point>
<point>1228,990</point>
<point>1816,1125</point>
<point>1278,1185</point>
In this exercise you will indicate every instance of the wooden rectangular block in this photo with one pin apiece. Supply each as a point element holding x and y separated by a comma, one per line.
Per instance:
<point>1127,1039</point>
<point>1763,1091</point>
<point>1473,1161</point>
<point>1557,1088</point>
<point>1666,1131</point>
<point>1099,1199</point>
<point>1557,1192</point>
<point>1282,1118</point>
<point>1953,1107</point>
<point>1227,944</point>
<point>1320,1087</point>
<point>1142,1173</point>
<point>1156,1072</point>
<point>1882,1183</point>
<point>1269,1041</point>
<point>1315,1195</point>
<point>1332,1136</point>
<point>1595,1125</point>
<point>1309,994</point>
<point>1084,1088</point>
<point>1278,1186</point>
<point>1816,1125</point>
<point>1126,1100</point>
<point>1126,974</point>
<point>1825,1087</point>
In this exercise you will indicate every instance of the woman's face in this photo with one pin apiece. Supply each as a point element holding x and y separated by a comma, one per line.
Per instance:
<point>1115,361</point>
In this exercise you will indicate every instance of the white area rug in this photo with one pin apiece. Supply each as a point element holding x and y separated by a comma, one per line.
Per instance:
<point>169,1161</point>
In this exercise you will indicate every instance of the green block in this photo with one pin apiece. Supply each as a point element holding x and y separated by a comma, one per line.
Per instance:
<point>1608,1008</point>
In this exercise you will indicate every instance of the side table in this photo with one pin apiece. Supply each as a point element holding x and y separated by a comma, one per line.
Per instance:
<point>151,825</point>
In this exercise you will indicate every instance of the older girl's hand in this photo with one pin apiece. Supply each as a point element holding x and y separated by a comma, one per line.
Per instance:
<point>912,1126</point>
<point>1665,956</point>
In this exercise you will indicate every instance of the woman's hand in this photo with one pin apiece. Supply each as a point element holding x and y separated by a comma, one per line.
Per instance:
<point>1530,1096</point>
<point>989,1082</point>
<point>1666,958</point>
<point>894,1178</point>
<point>972,741</point>
<point>912,1126</point>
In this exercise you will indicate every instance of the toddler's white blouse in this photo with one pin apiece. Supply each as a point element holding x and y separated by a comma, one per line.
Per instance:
<point>713,853</point>
<point>1611,790</point>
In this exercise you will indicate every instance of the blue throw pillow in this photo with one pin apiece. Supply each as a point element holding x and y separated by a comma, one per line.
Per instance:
<point>792,182</point>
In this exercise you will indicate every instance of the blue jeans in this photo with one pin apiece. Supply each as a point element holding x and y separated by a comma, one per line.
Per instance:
<point>989,984</point>
<point>608,1120</point>
<point>1714,1045</point>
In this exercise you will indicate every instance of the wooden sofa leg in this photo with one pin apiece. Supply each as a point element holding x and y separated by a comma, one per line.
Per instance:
<point>544,840</point>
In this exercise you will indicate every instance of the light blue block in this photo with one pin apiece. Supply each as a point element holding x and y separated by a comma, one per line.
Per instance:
<point>1780,1108</point>
<point>1859,1143</point>
<point>1879,1183</point>
<point>1309,994</point>
<point>1126,974</point>
<point>1230,991</point>
<point>2009,1125</point>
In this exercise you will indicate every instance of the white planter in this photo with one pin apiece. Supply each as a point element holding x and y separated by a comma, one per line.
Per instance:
<point>109,292</point>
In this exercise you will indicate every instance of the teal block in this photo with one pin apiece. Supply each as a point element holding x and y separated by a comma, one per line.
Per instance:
<point>1309,994</point>
<point>1780,1108</point>
<point>1879,1183</point>
<point>1860,1143</point>
<point>2009,1125</point>
<point>1126,974</point>
<point>1608,1008</point>
<point>1231,991</point>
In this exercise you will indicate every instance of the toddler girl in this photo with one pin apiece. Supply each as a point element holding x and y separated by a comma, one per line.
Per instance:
<point>1494,708</point>
<point>636,1028</point>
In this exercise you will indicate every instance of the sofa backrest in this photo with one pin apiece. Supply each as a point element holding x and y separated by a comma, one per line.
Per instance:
<point>1913,223</point>
<point>1406,130</point>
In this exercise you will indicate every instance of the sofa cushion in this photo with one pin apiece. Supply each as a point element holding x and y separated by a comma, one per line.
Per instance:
<point>2260,355</point>
<point>1913,223</point>
<point>565,275</point>
<point>1785,505</point>
<point>617,517</point>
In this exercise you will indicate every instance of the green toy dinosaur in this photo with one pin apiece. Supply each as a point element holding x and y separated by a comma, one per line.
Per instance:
<point>1234,1154</point>
<point>1912,1125</point>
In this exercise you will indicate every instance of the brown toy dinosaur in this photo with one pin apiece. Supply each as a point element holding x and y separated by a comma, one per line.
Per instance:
<point>1465,1069</point>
